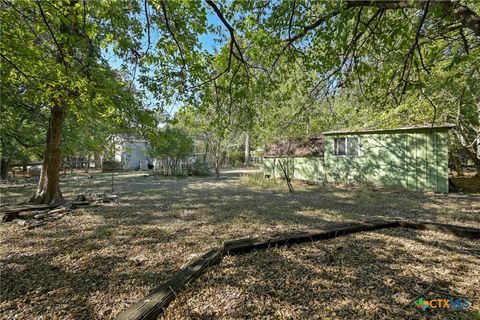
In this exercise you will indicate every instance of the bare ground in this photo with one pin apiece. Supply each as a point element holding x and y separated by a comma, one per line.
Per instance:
<point>95,262</point>
<point>374,275</point>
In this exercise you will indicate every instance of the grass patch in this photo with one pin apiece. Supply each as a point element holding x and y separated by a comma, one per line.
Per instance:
<point>258,181</point>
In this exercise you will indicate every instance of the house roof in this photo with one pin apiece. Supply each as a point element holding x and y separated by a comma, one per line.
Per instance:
<point>444,127</point>
<point>313,146</point>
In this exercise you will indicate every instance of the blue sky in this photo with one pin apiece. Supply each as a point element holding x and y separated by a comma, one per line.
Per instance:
<point>208,43</point>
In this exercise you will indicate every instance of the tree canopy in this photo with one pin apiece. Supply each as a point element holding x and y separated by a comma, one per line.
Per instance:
<point>278,68</point>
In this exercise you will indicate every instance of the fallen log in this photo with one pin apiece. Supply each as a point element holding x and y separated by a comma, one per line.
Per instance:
<point>10,214</point>
<point>79,204</point>
<point>13,213</point>
<point>69,206</point>
<point>36,225</point>
<point>29,208</point>
<point>59,210</point>
<point>153,304</point>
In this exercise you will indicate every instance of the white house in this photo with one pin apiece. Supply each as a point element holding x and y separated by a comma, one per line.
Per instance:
<point>132,152</point>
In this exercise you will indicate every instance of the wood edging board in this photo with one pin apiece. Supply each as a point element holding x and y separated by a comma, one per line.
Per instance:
<point>27,208</point>
<point>246,245</point>
<point>31,207</point>
<point>459,231</point>
<point>9,214</point>
<point>151,306</point>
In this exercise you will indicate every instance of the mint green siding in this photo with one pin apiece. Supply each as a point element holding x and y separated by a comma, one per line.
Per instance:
<point>417,160</point>
<point>308,168</point>
<point>287,164</point>
<point>414,160</point>
<point>273,167</point>
<point>268,168</point>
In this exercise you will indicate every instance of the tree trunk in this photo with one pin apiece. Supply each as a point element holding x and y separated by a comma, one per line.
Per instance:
<point>247,150</point>
<point>217,168</point>
<point>286,174</point>
<point>470,148</point>
<point>48,190</point>
<point>206,151</point>
<point>87,164</point>
<point>98,161</point>
<point>455,161</point>
<point>476,161</point>
<point>4,168</point>
<point>477,166</point>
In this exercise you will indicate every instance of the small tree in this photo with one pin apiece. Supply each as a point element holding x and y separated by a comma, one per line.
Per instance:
<point>171,145</point>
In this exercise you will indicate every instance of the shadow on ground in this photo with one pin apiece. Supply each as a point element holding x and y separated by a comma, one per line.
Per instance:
<point>96,261</point>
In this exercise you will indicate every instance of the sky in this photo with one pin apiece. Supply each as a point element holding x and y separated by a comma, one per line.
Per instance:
<point>207,41</point>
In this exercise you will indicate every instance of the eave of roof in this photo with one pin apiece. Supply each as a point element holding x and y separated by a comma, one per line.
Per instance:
<point>294,156</point>
<point>444,127</point>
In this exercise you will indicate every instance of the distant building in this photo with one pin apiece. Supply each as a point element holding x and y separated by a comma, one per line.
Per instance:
<point>132,153</point>
<point>414,158</point>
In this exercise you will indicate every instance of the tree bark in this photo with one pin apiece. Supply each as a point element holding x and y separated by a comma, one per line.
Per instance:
<point>476,161</point>
<point>98,161</point>
<point>206,151</point>
<point>87,164</point>
<point>48,190</point>
<point>247,150</point>
<point>4,168</point>
<point>217,168</point>
<point>457,164</point>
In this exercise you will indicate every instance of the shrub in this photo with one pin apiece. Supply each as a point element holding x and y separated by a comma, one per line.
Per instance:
<point>200,169</point>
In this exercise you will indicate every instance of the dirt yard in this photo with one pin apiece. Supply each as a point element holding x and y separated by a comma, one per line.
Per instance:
<point>373,275</point>
<point>97,261</point>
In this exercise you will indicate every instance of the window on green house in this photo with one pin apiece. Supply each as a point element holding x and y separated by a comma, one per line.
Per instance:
<point>340,145</point>
<point>353,147</point>
<point>346,146</point>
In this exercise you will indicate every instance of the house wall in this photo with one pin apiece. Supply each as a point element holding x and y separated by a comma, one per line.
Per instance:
<point>309,169</point>
<point>132,154</point>
<point>301,168</point>
<point>413,160</point>
<point>273,167</point>
<point>268,167</point>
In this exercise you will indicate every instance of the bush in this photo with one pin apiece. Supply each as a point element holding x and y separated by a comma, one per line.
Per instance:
<point>200,169</point>
<point>237,158</point>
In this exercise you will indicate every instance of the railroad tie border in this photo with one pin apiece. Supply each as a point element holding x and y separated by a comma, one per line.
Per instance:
<point>151,306</point>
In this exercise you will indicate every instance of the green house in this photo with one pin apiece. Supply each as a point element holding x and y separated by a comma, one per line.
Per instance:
<point>413,158</point>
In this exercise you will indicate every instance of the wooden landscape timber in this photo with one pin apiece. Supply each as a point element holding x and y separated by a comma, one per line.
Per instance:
<point>151,306</point>
<point>240,246</point>
<point>13,213</point>
<point>459,231</point>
